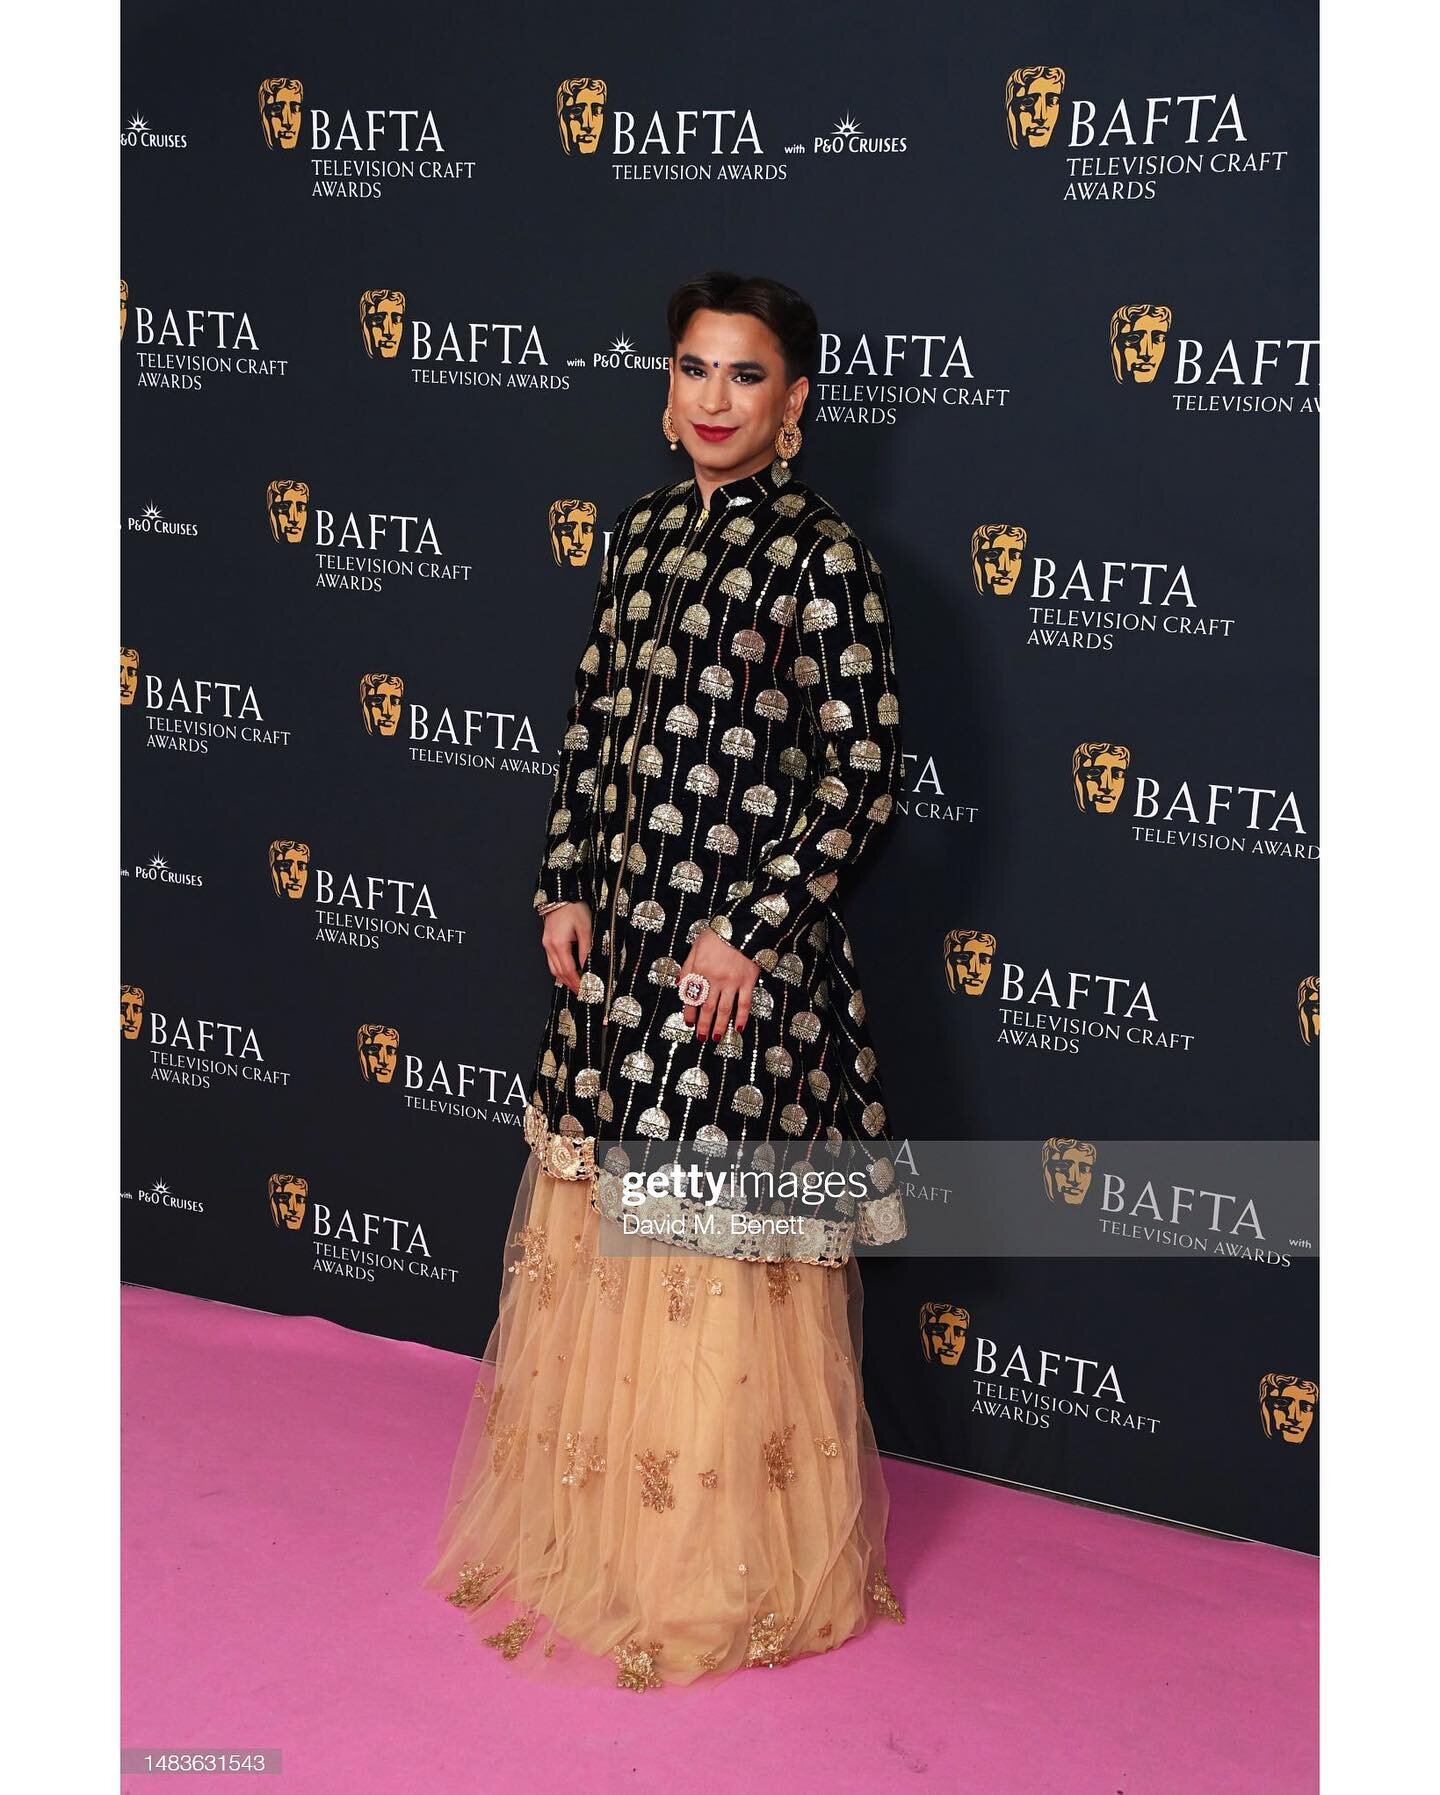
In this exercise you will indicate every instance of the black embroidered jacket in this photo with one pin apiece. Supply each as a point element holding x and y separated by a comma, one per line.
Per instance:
<point>732,749</point>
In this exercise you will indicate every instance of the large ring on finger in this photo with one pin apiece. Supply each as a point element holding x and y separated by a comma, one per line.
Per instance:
<point>694,988</point>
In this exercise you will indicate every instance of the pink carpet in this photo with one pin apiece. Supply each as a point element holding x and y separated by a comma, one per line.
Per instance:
<point>281,1487</point>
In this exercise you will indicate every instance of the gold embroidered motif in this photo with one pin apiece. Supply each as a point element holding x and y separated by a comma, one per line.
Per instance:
<point>505,1439</point>
<point>716,1287</point>
<point>581,1460</point>
<point>884,1597</point>
<point>545,1436</point>
<point>470,1590</point>
<point>656,1490</point>
<point>767,1640</point>
<point>742,1568</point>
<point>780,1274</point>
<point>825,1631</point>
<point>509,1640</point>
<point>480,1392</point>
<point>778,1462</point>
<point>637,1665</point>
<point>681,1287</point>
<point>550,1644</point>
<point>707,1660</point>
<point>491,1418</point>
<point>535,1264</point>
<point>829,1447</point>
<point>610,1275</point>
<point>708,1479</point>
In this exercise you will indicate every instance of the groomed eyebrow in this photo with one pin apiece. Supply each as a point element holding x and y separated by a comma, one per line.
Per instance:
<point>758,366</point>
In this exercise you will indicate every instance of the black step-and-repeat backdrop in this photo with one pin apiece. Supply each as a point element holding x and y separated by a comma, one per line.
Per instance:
<point>392,353</point>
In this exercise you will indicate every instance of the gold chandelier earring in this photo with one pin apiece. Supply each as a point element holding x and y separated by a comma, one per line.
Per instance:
<point>668,426</point>
<point>787,443</point>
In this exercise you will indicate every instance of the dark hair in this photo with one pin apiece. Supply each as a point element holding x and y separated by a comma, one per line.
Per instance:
<point>788,315</point>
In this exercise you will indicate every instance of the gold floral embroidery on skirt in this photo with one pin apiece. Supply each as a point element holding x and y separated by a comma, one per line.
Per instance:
<point>680,1287</point>
<point>637,1665</point>
<point>778,1462</point>
<point>767,1639</point>
<point>884,1597</point>
<point>656,1490</point>
<point>509,1640</point>
<point>535,1264</point>
<point>780,1274</point>
<point>470,1590</point>
<point>582,1459</point>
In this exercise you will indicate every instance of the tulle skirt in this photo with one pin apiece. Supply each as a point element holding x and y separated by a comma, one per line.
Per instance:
<point>666,1472</point>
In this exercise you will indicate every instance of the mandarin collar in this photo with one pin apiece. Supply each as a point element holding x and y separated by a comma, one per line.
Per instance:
<point>747,490</point>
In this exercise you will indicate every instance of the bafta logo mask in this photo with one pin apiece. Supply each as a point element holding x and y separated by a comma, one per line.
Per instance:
<point>382,321</point>
<point>1307,1001</point>
<point>572,531</point>
<point>580,113</point>
<point>944,1329</point>
<point>289,867</point>
<point>287,505</point>
<point>1138,335</point>
<point>997,552</point>
<point>1287,1407</point>
<point>129,674</point>
<point>280,110</point>
<point>124,304</point>
<point>969,955</point>
<point>132,1011</point>
<point>1068,1167</point>
<point>1032,105</point>
<point>382,700</point>
<point>1098,772</point>
<point>379,1051</point>
<point>287,1200</point>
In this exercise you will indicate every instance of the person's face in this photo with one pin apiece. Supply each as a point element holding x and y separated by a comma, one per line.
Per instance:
<point>1104,780</point>
<point>1141,348</point>
<point>1291,1412</point>
<point>727,373</point>
<point>384,325</point>
<point>1036,111</point>
<point>384,703</point>
<point>999,563</point>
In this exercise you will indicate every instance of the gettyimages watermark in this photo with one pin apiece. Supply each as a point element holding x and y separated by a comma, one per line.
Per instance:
<point>1057,1197</point>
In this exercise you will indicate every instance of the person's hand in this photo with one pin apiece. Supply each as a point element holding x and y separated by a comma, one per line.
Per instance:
<point>732,977</point>
<point>566,941</point>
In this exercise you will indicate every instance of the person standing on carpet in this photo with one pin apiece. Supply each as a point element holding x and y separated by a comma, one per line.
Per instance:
<point>668,1472</point>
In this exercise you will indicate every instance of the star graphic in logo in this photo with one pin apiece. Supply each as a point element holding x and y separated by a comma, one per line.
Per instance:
<point>152,511</point>
<point>847,127</point>
<point>159,1188</point>
<point>160,863</point>
<point>621,346</point>
<point>137,124</point>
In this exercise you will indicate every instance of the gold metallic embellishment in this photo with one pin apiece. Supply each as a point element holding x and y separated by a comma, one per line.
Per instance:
<point>509,1640</point>
<point>637,1665</point>
<point>470,1590</point>
<point>494,1409</point>
<point>708,1479</point>
<point>707,1660</point>
<point>536,1264</point>
<point>767,1640</point>
<point>681,1288</point>
<point>656,1490</point>
<point>829,1447</point>
<point>780,1274</point>
<point>884,1597</point>
<point>825,1631</point>
<point>715,1287</point>
<point>778,1463</point>
<point>583,1459</point>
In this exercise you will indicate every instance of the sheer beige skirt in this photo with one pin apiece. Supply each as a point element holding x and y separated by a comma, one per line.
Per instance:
<point>667,1472</point>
